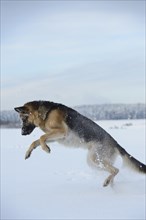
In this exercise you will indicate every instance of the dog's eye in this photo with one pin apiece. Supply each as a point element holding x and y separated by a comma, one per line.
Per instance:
<point>24,118</point>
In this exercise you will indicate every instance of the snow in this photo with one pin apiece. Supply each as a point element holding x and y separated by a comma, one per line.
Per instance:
<point>60,185</point>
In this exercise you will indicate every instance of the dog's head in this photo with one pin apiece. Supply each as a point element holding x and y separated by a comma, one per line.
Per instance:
<point>27,126</point>
<point>32,114</point>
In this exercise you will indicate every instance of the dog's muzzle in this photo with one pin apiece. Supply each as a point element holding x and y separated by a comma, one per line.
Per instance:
<point>26,130</point>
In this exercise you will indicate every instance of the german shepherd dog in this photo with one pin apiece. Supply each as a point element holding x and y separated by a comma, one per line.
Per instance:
<point>68,127</point>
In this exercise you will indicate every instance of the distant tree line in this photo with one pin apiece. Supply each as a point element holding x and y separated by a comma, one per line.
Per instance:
<point>10,119</point>
<point>113,111</point>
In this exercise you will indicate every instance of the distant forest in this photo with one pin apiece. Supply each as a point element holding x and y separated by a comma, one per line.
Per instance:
<point>10,119</point>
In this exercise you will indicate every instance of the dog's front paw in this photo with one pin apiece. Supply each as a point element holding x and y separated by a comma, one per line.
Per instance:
<point>46,148</point>
<point>27,155</point>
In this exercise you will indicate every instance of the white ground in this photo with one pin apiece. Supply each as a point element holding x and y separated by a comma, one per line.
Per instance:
<point>60,185</point>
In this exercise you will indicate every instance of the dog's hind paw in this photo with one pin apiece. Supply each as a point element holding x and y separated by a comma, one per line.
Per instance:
<point>106,182</point>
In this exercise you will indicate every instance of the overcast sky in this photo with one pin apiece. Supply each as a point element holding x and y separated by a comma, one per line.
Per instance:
<point>74,52</point>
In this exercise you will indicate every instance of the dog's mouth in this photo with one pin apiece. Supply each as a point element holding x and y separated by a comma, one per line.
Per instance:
<point>26,130</point>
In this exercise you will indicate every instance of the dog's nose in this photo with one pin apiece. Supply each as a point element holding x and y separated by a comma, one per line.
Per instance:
<point>24,132</point>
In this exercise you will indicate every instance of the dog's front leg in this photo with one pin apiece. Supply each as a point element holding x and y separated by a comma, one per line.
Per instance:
<point>44,146</point>
<point>31,148</point>
<point>53,135</point>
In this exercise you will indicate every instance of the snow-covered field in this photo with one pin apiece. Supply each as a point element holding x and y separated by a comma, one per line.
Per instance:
<point>60,185</point>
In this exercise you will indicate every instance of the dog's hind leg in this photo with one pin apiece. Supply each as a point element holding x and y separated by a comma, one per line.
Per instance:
<point>111,169</point>
<point>98,163</point>
<point>34,145</point>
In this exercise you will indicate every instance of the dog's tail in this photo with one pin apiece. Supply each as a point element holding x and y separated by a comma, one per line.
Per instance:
<point>130,161</point>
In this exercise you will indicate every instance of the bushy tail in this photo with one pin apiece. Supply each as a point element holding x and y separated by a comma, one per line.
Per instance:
<point>130,161</point>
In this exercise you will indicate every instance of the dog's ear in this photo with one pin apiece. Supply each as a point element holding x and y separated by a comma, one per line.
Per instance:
<point>22,110</point>
<point>42,111</point>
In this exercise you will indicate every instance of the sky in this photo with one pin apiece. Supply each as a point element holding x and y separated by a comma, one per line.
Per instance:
<point>73,52</point>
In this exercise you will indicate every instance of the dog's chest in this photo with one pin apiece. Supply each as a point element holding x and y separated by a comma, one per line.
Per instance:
<point>73,140</point>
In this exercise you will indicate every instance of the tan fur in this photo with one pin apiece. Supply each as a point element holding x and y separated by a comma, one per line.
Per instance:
<point>54,127</point>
